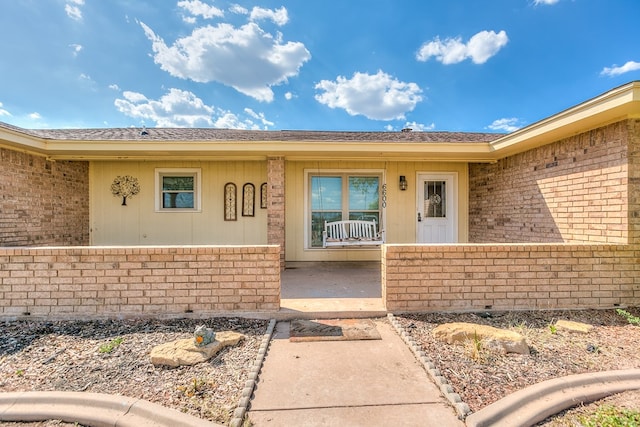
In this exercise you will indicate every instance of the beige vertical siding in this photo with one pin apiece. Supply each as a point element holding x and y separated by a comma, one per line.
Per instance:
<point>139,224</point>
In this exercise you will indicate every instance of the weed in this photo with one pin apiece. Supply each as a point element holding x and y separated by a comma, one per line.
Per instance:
<point>20,372</point>
<point>634,320</point>
<point>610,416</point>
<point>111,345</point>
<point>553,329</point>
<point>196,387</point>
<point>476,349</point>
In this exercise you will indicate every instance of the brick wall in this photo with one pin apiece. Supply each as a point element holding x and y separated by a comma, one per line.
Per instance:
<point>77,282</point>
<point>43,202</point>
<point>634,180</point>
<point>276,205</point>
<point>573,190</point>
<point>509,277</point>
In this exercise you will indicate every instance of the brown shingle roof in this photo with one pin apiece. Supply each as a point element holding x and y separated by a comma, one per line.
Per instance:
<point>211,134</point>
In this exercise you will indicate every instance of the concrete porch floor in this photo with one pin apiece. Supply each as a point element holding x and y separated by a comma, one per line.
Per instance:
<point>331,290</point>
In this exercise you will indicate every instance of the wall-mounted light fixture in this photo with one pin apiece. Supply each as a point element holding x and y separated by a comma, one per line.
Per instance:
<point>403,182</point>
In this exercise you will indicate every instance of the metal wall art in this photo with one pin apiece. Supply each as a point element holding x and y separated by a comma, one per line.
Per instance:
<point>230,202</point>
<point>263,196</point>
<point>125,186</point>
<point>248,199</point>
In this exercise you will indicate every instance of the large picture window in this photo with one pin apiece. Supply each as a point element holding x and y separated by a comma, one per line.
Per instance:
<point>342,196</point>
<point>177,190</point>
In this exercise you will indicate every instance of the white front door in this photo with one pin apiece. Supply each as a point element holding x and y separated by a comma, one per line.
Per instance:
<point>437,208</point>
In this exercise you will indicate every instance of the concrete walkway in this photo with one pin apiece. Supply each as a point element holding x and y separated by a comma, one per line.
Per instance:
<point>346,383</point>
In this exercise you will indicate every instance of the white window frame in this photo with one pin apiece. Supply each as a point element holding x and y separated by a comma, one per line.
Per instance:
<point>308,173</point>
<point>196,173</point>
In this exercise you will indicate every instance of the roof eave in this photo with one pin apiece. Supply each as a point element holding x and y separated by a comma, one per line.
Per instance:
<point>260,150</point>
<point>618,104</point>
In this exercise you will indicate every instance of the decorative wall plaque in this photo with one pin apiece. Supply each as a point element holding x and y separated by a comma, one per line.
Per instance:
<point>248,199</point>
<point>263,196</point>
<point>125,186</point>
<point>230,202</point>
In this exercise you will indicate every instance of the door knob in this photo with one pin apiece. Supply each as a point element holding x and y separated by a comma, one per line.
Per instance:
<point>419,217</point>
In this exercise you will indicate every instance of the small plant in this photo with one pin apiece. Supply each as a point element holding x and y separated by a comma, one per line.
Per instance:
<point>20,372</point>
<point>553,329</point>
<point>476,349</point>
<point>111,345</point>
<point>610,416</point>
<point>634,320</point>
<point>196,387</point>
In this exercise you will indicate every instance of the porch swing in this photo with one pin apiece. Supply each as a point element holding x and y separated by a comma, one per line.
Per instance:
<point>351,232</point>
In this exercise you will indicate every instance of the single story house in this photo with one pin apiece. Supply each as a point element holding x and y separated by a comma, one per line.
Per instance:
<point>449,203</point>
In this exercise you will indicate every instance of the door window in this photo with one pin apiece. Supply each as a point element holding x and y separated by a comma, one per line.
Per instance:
<point>435,199</point>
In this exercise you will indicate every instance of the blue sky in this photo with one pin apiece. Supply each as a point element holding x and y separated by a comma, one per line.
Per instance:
<point>376,65</point>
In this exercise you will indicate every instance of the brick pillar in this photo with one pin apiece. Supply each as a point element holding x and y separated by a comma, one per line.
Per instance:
<point>275,205</point>
<point>633,186</point>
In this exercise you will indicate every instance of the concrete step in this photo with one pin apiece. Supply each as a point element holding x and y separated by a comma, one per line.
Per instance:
<point>330,308</point>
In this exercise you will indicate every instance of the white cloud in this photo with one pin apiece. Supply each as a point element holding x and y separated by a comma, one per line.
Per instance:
<point>288,96</point>
<point>75,49</point>
<point>231,56</point>
<point>280,16</point>
<point>35,116</point>
<point>377,97</point>
<point>419,127</point>
<point>114,86</point>
<point>546,2</point>
<point>4,112</point>
<point>616,71</point>
<point>87,81</point>
<point>479,48</point>
<point>198,8</point>
<point>259,116</point>
<point>72,8</point>
<point>414,126</point>
<point>236,8</point>
<point>179,108</point>
<point>505,125</point>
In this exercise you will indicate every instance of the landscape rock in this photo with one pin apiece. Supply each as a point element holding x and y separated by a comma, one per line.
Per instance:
<point>185,352</point>
<point>501,340</point>
<point>571,326</point>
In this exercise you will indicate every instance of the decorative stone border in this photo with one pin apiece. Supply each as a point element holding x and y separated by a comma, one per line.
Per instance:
<point>249,386</point>
<point>461,408</point>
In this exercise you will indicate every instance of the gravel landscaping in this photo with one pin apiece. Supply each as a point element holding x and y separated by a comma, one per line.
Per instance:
<point>112,356</point>
<point>482,377</point>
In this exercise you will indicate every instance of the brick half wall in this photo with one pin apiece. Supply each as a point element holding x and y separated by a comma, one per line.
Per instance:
<point>86,282</point>
<point>509,277</point>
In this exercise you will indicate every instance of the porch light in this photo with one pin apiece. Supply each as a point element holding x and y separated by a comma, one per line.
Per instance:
<point>403,182</point>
